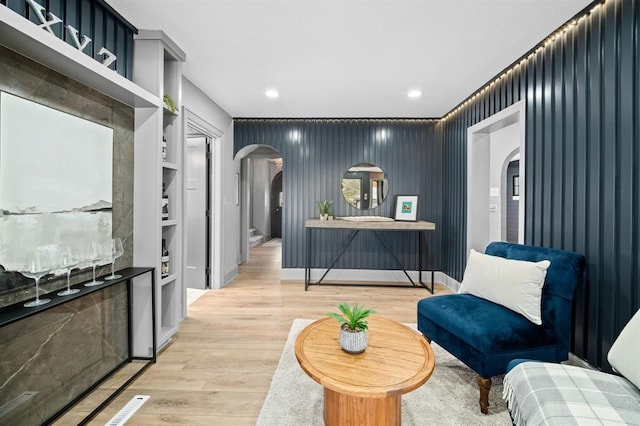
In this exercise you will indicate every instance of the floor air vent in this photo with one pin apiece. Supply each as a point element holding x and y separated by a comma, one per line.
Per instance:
<point>127,411</point>
<point>16,402</point>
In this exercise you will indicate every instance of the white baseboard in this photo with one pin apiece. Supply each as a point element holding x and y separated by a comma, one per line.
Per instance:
<point>229,275</point>
<point>374,275</point>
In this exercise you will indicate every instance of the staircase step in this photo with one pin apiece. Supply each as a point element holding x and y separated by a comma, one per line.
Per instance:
<point>255,240</point>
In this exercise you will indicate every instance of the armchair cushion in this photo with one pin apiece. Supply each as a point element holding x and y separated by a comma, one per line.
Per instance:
<point>625,352</point>
<point>483,334</point>
<point>554,394</point>
<point>514,284</point>
<point>486,336</point>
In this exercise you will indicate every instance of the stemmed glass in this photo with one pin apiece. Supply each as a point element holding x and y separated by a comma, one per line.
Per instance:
<point>38,264</point>
<point>94,252</point>
<point>68,259</point>
<point>116,252</point>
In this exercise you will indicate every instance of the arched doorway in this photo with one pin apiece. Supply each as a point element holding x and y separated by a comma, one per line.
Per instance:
<point>258,165</point>
<point>277,202</point>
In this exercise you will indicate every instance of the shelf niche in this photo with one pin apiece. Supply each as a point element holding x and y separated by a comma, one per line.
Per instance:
<point>158,68</point>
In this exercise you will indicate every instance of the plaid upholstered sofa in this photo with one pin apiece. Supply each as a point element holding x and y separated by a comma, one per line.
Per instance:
<point>540,393</point>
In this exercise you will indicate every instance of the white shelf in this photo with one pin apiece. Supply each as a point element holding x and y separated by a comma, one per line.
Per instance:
<point>169,165</point>
<point>168,112</point>
<point>168,279</point>
<point>158,68</point>
<point>26,38</point>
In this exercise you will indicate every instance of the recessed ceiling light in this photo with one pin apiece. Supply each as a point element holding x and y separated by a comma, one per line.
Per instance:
<point>414,94</point>
<point>272,93</point>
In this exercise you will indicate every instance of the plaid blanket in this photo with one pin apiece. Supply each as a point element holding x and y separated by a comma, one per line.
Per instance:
<point>539,393</point>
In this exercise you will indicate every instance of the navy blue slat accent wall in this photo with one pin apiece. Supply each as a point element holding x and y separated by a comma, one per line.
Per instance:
<point>317,152</point>
<point>582,164</point>
<point>93,18</point>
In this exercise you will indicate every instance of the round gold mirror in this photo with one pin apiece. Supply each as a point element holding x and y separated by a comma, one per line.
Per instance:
<point>364,186</point>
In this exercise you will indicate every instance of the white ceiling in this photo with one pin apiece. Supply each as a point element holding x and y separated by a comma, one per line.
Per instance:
<point>347,58</point>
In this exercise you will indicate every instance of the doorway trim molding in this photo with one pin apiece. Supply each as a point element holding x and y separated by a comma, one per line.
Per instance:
<point>190,119</point>
<point>481,132</point>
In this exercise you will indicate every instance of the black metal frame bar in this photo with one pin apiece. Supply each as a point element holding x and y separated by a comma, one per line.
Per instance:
<point>150,360</point>
<point>421,249</point>
<point>17,312</point>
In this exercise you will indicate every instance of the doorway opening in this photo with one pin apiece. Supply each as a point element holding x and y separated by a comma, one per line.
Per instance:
<point>202,234</point>
<point>197,223</point>
<point>277,202</point>
<point>261,196</point>
<point>491,145</point>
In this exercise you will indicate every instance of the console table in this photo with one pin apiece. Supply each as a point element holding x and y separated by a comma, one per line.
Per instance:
<point>55,354</point>
<point>418,227</point>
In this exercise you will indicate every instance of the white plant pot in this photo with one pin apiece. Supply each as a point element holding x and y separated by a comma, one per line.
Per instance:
<point>353,342</point>
<point>324,217</point>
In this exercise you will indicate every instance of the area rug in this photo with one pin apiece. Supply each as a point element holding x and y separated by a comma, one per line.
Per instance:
<point>450,396</point>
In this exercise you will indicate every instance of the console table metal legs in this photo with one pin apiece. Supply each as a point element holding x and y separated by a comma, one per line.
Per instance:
<point>422,248</point>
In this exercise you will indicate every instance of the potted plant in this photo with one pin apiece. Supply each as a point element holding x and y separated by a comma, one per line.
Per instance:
<point>353,327</point>
<point>324,207</point>
<point>169,103</point>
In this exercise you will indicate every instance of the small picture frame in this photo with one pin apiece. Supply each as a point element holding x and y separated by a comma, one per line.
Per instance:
<point>406,208</point>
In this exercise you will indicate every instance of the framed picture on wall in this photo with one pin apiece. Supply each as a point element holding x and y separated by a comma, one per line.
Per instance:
<point>406,208</point>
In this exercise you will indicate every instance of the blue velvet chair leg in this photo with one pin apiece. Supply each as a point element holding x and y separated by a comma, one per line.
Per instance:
<point>485,387</point>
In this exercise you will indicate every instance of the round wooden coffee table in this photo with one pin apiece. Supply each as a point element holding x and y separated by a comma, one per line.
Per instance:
<point>365,389</point>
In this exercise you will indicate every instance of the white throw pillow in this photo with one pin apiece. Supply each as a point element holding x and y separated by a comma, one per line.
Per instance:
<point>625,352</point>
<point>514,284</point>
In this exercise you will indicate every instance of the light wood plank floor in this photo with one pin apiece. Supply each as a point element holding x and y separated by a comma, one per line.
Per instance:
<point>218,369</point>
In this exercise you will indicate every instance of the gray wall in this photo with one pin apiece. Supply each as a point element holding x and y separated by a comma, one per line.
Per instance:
<point>317,152</point>
<point>226,213</point>
<point>582,159</point>
<point>25,78</point>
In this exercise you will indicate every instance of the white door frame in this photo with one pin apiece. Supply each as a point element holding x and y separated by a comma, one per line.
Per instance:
<point>478,137</point>
<point>190,119</point>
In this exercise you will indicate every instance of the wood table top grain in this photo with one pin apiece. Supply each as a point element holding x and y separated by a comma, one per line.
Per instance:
<point>397,360</point>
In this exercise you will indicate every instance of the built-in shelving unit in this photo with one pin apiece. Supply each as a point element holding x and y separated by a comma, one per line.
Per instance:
<point>158,68</point>
<point>28,39</point>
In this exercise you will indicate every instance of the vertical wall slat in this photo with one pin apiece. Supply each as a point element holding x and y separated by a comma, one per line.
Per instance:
<point>313,167</point>
<point>582,103</point>
<point>112,31</point>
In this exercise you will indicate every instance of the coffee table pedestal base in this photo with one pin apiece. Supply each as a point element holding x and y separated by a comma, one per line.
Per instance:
<point>346,410</point>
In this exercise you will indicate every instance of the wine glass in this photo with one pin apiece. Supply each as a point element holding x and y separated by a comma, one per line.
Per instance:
<point>68,259</point>
<point>116,251</point>
<point>38,264</point>
<point>93,253</point>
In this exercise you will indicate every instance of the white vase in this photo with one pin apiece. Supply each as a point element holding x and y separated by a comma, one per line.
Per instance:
<point>324,217</point>
<point>353,342</point>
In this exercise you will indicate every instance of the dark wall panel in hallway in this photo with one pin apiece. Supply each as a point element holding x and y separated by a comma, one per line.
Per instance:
<point>582,158</point>
<point>316,154</point>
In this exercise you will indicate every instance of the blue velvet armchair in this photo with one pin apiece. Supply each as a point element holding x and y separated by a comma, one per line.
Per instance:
<point>487,336</point>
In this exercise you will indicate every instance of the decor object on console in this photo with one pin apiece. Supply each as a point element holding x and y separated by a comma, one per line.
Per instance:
<point>486,336</point>
<point>353,327</point>
<point>406,208</point>
<point>546,393</point>
<point>68,259</point>
<point>116,251</point>
<point>38,264</point>
<point>324,207</point>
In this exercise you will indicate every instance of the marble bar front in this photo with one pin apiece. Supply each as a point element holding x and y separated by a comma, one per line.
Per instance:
<point>53,354</point>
